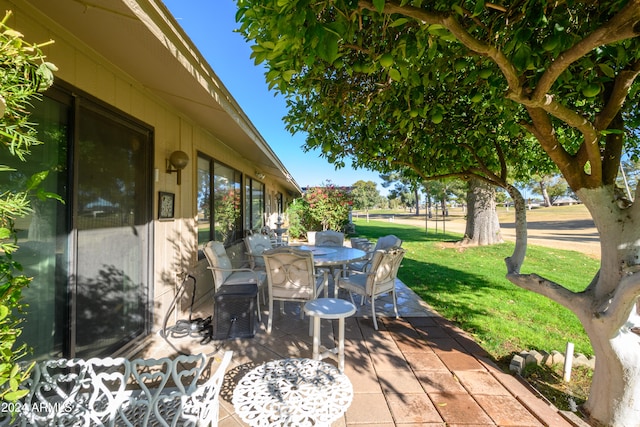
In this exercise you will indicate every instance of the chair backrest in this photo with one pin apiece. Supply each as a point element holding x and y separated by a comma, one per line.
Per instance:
<point>360,243</point>
<point>386,242</point>
<point>256,244</point>
<point>329,238</point>
<point>100,392</point>
<point>290,273</point>
<point>217,257</point>
<point>384,270</point>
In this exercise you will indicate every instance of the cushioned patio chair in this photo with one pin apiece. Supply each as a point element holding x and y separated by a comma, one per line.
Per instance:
<point>225,275</point>
<point>361,243</point>
<point>256,244</point>
<point>379,279</point>
<point>291,276</point>
<point>329,238</point>
<point>384,242</point>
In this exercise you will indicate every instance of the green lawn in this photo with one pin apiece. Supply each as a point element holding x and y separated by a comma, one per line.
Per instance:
<point>468,287</point>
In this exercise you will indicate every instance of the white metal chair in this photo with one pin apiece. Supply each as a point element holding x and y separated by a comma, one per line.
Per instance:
<point>256,244</point>
<point>379,279</point>
<point>225,275</point>
<point>291,276</point>
<point>121,392</point>
<point>329,238</point>
<point>384,242</point>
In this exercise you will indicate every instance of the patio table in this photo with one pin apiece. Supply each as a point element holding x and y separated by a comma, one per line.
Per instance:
<point>332,256</point>
<point>292,392</point>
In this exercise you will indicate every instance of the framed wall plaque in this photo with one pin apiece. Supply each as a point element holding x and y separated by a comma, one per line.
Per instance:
<point>166,205</point>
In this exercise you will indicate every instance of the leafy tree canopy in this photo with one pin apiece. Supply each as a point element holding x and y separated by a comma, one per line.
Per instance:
<point>484,90</point>
<point>435,80</point>
<point>365,194</point>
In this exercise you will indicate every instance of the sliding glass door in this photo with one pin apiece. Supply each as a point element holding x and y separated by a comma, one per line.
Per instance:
<point>90,256</point>
<point>112,249</point>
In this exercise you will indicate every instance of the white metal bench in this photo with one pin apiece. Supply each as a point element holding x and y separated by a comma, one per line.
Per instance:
<point>120,392</point>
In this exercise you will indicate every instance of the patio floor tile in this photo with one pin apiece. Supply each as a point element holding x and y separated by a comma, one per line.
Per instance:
<point>399,381</point>
<point>502,409</point>
<point>368,408</point>
<point>412,408</point>
<point>459,408</point>
<point>481,382</point>
<point>456,361</point>
<point>419,370</point>
<point>364,382</point>
<point>439,382</point>
<point>425,361</point>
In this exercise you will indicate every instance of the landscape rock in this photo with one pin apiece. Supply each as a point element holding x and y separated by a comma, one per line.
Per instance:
<point>530,357</point>
<point>517,364</point>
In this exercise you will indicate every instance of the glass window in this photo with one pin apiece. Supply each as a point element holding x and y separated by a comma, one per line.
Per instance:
<point>220,210</point>
<point>112,241</point>
<point>254,214</point>
<point>43,235</point>
<point>227,204</point>
<point>204,200</point>
<point>280,203</point>
<point>89,257</point>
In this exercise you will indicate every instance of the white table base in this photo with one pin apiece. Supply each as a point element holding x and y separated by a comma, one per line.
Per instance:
<point>329,308</point>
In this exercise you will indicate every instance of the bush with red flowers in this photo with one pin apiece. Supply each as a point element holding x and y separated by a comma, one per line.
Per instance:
<point>327,207</point>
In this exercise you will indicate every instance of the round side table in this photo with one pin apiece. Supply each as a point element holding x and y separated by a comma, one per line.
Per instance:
<point>292,393</point>
<point>329,308</point>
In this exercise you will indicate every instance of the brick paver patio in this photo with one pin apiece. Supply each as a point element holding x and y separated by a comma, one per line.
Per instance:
<point>419,370</point>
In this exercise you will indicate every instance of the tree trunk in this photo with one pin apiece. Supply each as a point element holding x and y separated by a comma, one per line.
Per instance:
<point>483,227</point>
<point>545,194</point>
<point>607,309</point>
<point>417,197</point>
<point>443,206</point>
<point>515,261</point>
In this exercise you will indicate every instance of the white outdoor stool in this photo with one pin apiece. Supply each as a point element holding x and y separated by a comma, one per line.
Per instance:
<point>329,308</point>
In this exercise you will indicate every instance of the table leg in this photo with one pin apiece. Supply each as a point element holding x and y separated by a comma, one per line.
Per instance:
<point>316,337</point>
<point>341,344</point>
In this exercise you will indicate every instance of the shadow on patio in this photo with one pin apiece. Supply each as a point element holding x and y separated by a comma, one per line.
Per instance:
<point>416,370</point>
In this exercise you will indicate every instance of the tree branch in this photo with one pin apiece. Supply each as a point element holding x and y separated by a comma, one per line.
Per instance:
<point>450,23</point>
<point>620,27</point>
<point>618,95</point>
<point>542,129</point>
<point>515,261</point>
<point>486,174</point>
<point>570,117</point>
<point>547,288</point>
<point>623,300</point>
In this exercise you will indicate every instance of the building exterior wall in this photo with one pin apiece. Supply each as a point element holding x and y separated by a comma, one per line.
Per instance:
<point>175,248</point>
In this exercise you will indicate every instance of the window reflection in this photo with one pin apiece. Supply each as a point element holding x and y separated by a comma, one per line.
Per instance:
<point>254,215</point>
<point>220,210</point>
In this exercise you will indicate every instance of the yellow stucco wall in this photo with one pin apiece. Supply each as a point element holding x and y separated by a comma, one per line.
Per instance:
<point>175,241</point>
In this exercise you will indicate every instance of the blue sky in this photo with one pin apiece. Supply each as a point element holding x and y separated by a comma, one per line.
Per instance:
<point>210,24</point>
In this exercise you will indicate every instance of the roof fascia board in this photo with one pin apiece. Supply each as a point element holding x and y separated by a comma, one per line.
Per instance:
<point>157,18</point>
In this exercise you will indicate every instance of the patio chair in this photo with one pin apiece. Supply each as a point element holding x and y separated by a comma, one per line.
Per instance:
<point>384,242</point>
<point>256,244</point>
<point>329,238</point>
<point>361,243</point>
<point>379,279</point>
<point>291,276</point>
<point>225,275</point>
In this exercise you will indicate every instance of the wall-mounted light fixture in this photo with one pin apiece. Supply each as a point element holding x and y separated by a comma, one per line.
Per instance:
<point>178,160</point>
<point>259,175</point>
